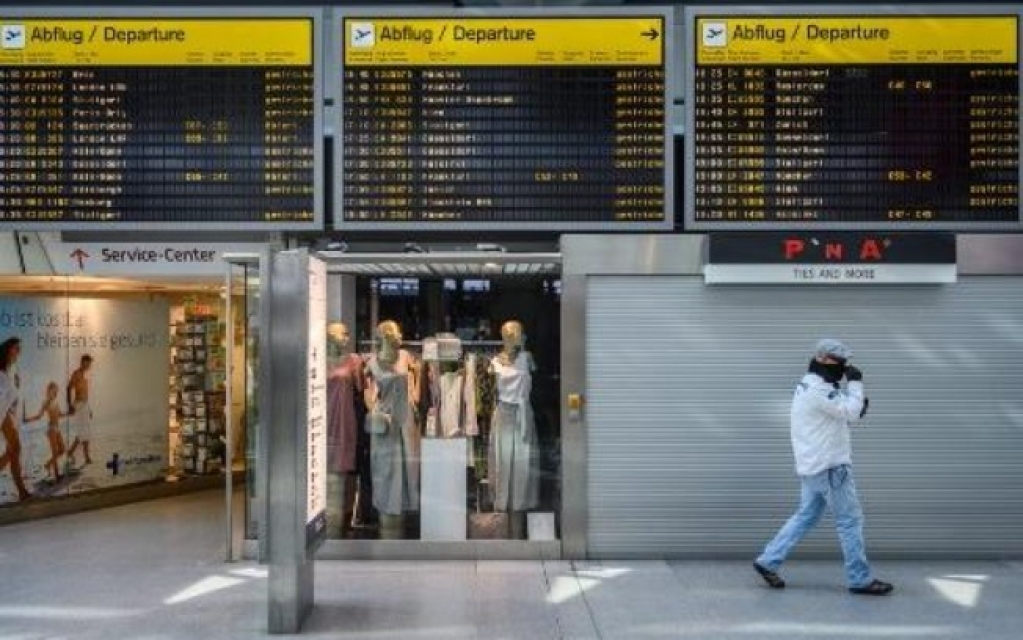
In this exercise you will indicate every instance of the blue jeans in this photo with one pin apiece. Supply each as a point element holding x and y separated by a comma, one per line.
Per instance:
<point>833,488</point>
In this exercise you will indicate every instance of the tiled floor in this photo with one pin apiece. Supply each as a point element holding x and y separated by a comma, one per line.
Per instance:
<point>154,571</point>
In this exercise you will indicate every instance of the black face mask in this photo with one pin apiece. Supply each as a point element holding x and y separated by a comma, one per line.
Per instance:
<point>831,373</point>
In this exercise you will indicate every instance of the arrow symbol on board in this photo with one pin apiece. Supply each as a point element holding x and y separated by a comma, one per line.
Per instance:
<point>79,256</point>
<point>651,33</point>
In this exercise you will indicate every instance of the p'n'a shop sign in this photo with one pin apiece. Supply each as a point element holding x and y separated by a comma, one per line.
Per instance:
<point>831,258</point>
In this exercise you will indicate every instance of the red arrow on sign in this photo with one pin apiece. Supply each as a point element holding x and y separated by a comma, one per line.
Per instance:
<point>80,256</point>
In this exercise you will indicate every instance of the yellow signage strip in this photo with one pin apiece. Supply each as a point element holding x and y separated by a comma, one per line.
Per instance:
<point>156,42</point>
<point>584,41</point>
<point>750,40</point>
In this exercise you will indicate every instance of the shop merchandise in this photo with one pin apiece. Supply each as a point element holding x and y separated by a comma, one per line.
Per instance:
<point>344,385</point>
<point>200,397</point>
<point>449,389</point>
<point>394,435</point>
<point>513,436</point>
<point>513,444</point>
<point>470,419</point>
<point>345,412</point>
<point>459,390</point>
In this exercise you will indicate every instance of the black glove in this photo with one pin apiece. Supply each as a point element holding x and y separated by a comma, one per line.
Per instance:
<point>852,374</point>
<point>866,403</point>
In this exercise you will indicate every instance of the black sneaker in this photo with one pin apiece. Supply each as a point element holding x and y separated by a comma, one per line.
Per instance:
<point>875,588</point>
<point>772,579</point>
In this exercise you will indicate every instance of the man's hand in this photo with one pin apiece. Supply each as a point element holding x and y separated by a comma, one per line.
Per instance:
<point>852,374</point>
<point>866,403</point>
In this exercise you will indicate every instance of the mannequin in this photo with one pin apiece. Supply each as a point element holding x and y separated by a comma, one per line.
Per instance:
<point>513,433</point>
<point>394,438</point>
<point>339,342</point>
<point>344,386</point>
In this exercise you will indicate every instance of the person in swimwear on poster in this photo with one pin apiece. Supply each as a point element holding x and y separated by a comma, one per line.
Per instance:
<point>79,409</point>
<point>10,350</point>
<point>51,409</point>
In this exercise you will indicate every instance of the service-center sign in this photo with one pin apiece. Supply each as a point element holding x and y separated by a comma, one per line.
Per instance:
<point>142,259</point>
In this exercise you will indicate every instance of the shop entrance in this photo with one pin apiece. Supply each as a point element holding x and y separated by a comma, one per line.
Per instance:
<point>461,354</point>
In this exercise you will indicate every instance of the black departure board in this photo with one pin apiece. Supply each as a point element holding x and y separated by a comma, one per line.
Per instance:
<point>180,123</point>
<point>515,122</point>
<point>853,121</point>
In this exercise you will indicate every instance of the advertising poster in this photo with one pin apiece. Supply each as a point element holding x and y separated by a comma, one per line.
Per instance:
<point>316,415</point>
<point>84,397</point>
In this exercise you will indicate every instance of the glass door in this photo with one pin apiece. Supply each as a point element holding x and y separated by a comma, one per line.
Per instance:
<point>243,333</point>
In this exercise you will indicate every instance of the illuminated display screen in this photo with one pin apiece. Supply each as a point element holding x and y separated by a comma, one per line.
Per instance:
<point>504,122</point>
<point>840,121</point>
<point>153,123</point>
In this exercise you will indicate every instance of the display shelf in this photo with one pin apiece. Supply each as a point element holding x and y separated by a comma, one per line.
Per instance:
<point>200,398</point>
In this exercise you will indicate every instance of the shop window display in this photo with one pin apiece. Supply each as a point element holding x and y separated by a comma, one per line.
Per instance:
<point>444,441</point>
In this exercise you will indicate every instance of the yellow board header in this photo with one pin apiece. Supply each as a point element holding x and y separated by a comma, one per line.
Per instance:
<point>858,40</point>
<point>156,42</point>
<point>617,41</point>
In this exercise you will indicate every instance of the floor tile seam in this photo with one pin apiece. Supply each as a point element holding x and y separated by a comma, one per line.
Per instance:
<point>539,585</point>
<point>591,614</point>
<point>555,615</point>
<point>477,609</point>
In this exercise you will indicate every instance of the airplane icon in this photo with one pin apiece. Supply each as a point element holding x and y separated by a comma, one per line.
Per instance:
<point>13,36</point>
<point>715,34</point>
<point>363,34</point>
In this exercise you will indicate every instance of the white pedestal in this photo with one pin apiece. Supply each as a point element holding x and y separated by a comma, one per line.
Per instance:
<point>443,491</point>
<point>540,526</point>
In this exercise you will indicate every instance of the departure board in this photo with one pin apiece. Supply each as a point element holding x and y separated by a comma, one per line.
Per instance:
<point>849,121</point>
<point>142,122</point>
<point>517,121</point>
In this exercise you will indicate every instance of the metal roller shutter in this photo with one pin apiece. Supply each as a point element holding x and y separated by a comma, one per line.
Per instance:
<point>688,391</point>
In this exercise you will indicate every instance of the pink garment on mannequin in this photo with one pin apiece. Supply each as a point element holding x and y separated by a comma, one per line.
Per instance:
<point>344,382</point>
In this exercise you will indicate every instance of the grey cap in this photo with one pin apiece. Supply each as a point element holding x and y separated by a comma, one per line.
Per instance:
<point>833,348</point>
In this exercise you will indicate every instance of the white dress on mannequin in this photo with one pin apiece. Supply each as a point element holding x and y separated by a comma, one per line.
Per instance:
<point>513,437</point>
<point>394,455</point>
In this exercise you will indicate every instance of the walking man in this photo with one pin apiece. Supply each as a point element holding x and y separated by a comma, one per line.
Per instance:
<point>822,412</point>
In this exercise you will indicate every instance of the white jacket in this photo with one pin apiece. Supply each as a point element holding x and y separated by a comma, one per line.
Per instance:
<point>821,416</point>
